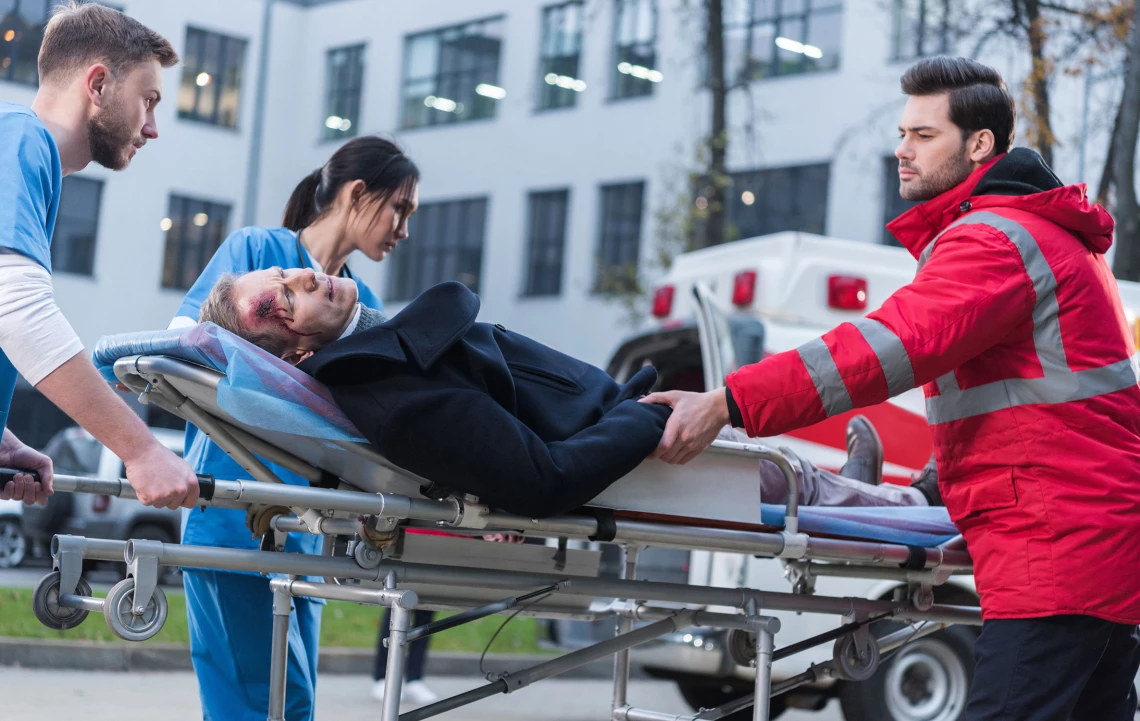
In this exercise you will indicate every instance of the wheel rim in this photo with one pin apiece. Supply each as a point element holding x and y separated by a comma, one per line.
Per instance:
<point>927,682</point>
<point>135,623</point>
<point>12,545</point>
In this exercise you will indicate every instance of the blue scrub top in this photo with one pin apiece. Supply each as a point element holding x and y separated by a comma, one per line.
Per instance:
<point>245,250</point>
<point>30,179</point>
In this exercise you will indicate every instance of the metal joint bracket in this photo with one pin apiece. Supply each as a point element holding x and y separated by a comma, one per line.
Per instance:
<point>795,545</point>
<point>68,560</point>
<point>472,515</point>
<point>142,565</point>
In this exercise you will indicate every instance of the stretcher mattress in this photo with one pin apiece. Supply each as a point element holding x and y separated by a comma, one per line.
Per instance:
<point>249,388</point>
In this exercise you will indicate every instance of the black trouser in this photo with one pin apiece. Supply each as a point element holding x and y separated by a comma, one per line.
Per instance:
<point>1058,668</point>
<point>417,652</point>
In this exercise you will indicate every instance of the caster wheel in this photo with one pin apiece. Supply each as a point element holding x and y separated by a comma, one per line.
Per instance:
<point>742,647</point>
<point>45,603</point>
<point>119,612</point>
<point>856,659</point>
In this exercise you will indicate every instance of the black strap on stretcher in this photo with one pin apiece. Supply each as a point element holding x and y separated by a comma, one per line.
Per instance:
<point>916,559</point>
<point>607,526</point>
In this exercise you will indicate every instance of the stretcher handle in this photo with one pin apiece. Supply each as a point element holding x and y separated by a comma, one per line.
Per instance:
<point>9,474</point>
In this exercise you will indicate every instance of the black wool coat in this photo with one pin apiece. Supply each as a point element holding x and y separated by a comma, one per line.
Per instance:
<point>482,410</point>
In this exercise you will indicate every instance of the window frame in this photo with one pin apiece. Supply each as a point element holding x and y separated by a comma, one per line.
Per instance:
<point>617,79</point>
<point>548,91</point>
<point>66,264</point>
<point>8,71</point>
<point>408,259</point>
<point>447,118</point>
<point>739,183</point>
<point>190,75</point>
<point>944,33</point>
<point>602,284</point>
<point>532,262</point>
<point>204,251</point>
<point>334,92</point>
<point>749,65</point>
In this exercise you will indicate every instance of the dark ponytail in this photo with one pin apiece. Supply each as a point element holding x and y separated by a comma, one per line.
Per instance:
<point>380,163</point>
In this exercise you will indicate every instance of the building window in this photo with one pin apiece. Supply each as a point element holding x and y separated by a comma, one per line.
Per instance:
<point>445,243</point>
<point>345,81</point>
<point>73,243</point>
<point>194,230</point>
<point>777,199</point>
<point>920,28</point>
<point>619,241</point>
<point>452,74</point>
<point>211,78</point>
<point>559,81</point>
<point>635,49</point>
<point>894,204</point>
<point>767,38</point>
<point>21,32</point>
<point>547,231</point>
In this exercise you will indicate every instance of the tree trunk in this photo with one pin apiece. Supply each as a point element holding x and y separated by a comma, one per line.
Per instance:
<point>716,179</point>
<point>1126,266</point>
<point>1106,177</point>
<point>1039,81</point>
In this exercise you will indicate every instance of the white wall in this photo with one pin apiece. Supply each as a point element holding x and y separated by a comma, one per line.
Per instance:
<point>847,117</point>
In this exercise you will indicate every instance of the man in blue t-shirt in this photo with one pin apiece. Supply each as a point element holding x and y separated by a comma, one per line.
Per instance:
<point>100,79</point>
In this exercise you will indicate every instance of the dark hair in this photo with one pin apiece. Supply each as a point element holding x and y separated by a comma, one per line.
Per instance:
<point>979,98</point>
<point>382,166</point>
<point>80,33</point>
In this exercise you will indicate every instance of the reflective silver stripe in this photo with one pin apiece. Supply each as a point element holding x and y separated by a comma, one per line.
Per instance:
<point>1000,395</point>
<point>825,375</point>
<point>1058,383</point>
<point>891,354</point>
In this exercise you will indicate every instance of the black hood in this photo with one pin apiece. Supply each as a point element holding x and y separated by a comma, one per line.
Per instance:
<point>1020,172</point>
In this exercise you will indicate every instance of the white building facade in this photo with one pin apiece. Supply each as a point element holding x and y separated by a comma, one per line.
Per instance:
<point>550,138</point>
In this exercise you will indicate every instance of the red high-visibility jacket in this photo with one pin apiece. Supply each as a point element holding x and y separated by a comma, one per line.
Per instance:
<point>1014,326</point>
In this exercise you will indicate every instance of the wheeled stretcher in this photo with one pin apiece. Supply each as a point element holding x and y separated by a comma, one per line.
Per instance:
<point>259,409</point>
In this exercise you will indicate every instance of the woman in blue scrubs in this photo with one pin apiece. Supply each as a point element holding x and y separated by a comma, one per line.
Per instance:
<point>359,200</point>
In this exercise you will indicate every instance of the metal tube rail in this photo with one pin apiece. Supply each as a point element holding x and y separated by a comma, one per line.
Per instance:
<point>515,681</point>
<point>324,525</point>
<point>373,596</point>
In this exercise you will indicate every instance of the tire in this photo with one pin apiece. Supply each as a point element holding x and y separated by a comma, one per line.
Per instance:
<point>711,693</point>
<point>925,680</point>
<point>167,575</point>
<point>13,543</point>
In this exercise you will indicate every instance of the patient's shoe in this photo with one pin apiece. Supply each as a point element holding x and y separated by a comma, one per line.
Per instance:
<point>927,484</point>
<point>417,692</point>
<point>864,452</point>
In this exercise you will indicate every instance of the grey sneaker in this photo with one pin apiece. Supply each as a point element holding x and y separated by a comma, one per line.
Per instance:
<point>864,452</point>
<point>927,484</point>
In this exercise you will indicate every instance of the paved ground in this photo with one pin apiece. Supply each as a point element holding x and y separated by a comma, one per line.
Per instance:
<point>39,695</point>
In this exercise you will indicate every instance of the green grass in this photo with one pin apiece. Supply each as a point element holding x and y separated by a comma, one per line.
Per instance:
<point>343,625</point>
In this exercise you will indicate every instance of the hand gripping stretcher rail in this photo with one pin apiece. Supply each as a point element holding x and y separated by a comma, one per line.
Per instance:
<point>261,411</point>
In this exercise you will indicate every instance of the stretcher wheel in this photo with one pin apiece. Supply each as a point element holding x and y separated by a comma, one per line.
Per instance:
<point>119,612</point>
<point>856,659</point>
<point>742,647</point>
<point>45,603</point>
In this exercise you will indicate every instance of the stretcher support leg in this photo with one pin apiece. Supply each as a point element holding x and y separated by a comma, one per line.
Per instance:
<point>397,653</point>
<point>765,646</point>
<point>625,625</point>
<point>279,655</point>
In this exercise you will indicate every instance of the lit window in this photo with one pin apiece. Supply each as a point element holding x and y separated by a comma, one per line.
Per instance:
<point>344,82</point>
<point>558,69</point>
<point>194,229</point>
<point>444,70</point>
<point>635,70</point>
<point>21,32</point>
<point>767,38</point>
<point>211,78</point>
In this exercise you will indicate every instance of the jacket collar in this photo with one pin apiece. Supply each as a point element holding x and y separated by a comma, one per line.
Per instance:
<point>918,226</point>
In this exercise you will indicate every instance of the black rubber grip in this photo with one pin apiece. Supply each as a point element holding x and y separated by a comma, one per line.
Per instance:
<point>205,487</point>
<point>8,474</point>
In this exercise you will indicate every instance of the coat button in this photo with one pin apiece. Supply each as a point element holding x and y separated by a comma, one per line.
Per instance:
<point>501,327</point>
<point>964,207</point>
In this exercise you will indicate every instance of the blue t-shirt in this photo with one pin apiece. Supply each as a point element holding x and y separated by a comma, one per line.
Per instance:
<point>245,250</point>
<point>30,179</point>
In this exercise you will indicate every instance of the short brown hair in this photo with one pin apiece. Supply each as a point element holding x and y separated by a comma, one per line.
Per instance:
<point>220,308</point>
<point>979,98</point>
<point>80,33</point>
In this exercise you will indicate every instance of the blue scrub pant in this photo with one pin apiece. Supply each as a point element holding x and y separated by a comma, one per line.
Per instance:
<point>231,623</point>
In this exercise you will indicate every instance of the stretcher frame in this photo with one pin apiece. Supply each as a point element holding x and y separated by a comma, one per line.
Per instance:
<point>375,524</point>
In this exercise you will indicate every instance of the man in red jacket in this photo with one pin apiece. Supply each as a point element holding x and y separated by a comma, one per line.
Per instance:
<point>1013,326</point>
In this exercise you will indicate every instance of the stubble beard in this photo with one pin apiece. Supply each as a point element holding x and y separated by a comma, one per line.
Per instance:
<point>111,137</point>
<point>946,176</point>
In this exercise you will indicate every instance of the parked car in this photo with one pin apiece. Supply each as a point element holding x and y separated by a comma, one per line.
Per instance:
<point>13,544</point>
<point>76,452</point>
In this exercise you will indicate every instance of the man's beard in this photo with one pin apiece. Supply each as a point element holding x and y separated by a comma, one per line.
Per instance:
<point>950,174</point>
<point>111,138</point>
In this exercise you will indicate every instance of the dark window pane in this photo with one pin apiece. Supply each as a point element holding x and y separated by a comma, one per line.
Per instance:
<point>619,239</point>
<point>211,78</point>
<point>893,204</point>
<point>921,27</point>
<point>558,81</point>
<point>767,201</point>
<point>452,74</point>
<point>194,230</point>
<point>21,32</point>
<point>445,242</point>
<point>635,70</point>
<point>781,37</point>
<point>73,243</point>
<point>547,229</point>
<point>344,80</point>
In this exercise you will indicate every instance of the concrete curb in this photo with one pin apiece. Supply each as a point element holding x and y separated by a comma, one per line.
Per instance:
<point>103,656</point>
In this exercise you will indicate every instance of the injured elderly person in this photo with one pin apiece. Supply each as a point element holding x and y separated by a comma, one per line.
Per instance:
<point>479,409</point>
